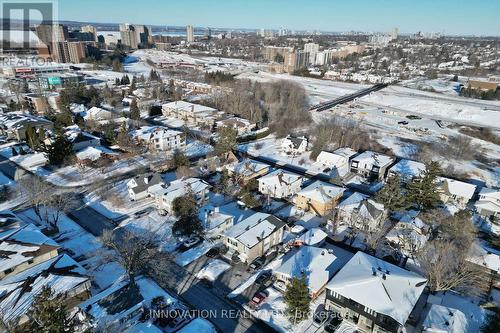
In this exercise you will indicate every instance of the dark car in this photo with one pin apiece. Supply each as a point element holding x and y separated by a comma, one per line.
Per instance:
<point>263,277</point>
<point>334,323</point>
<point>403,122</point>
<point>256,264</point>
<point>213,252</point>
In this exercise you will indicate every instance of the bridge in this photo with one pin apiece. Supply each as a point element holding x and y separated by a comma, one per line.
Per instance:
<point>347,98</point>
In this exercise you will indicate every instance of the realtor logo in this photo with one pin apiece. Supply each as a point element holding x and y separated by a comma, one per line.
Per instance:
<point>16,18</point>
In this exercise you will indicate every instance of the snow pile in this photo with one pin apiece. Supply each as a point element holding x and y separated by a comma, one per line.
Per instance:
<point>213,270</point>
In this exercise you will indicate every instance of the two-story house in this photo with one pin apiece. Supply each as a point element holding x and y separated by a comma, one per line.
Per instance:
<point>139,185</point>
<point>373,294</point>
<point>319,197</point>
<point>371,165</point>
<point>294,145</point>
<point>164,198</point>
<point>159,138</point>
<point>247,170</point>
<point>280,184</point>
<point>488,205</point>
<point>214,221</point>
<point>407,170</point>
<point>254,236</point>
<point>455,192</point>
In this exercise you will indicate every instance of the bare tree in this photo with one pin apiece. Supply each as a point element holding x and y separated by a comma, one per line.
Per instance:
<point>136,253</point>
<point>446,267</point>
<point>57,205</point>
<point>37,192</point>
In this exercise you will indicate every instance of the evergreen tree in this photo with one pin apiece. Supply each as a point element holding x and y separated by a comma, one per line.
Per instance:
<point>135,113</point>
<point>32,137</point>
<point>297,299</point>
<point>180,159</point>
<point>59,151</point>
<point>132,86</point>
<point>186,209</point>
<point>48,314</point>
<point>117,82</point>
<point>423,191</point>
<point>391,195</point>
<point>226,140</point>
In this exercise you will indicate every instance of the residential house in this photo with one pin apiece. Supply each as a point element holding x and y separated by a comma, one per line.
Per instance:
<point>242,126</point>
<point>319,197</point>
<point>332,163</point>
<point>61,274</point>
<point>312,237</point>
<point>442,319</point>
<point>14,125</point>
<point>82,140</point>
<point>95,153</point>
<point>347,208</point>
<point>195,114</point>
<point>488,205</point>
<point>455,192</point>
<point>409,232</point>
<point>96,113</point>
<point>407,170</point>
<point>280,184</point>
<point>24,247</point>
<point>371,165</point>
<point>139,185</point>
<point>164,198</point>
<point>160,138</point>
<point>294,145</point>
<point>369,216</point>
<point>254,236</point>
<point>373,294</point>
<point>316,264</point>
<point>215,222</point>
<point>487,259</point>
<point>247,170</point>
<point>347,152</point>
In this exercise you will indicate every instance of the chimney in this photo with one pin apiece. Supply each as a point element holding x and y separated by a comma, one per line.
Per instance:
<point>383,276</point>
<point>216,209</point>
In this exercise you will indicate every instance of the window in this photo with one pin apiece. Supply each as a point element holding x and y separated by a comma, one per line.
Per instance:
<point>30,261</point>
<point>8,271</point>
<point>370,311</point>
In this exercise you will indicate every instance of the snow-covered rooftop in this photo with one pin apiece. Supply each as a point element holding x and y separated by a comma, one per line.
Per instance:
<point>408,169</point>
<point>458,188</point>
<point>254,229</point>
<point>379,285</point>
<point>317,264</point>
<point>179,187</point>
<point>321,192</point>
<point>313,236</point>
<point>280,178</point>
<point>368,159</point>
<point>247,168</point>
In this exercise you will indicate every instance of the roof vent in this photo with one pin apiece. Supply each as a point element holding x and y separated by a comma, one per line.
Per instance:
<point>387,272</point>
<point>322,253</point>
<point>447,323</point>
<point>383,276</point>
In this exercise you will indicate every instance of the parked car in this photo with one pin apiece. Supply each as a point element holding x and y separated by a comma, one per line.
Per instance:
<point>191,242</point>
<point>258,299</point>
<point>404,122</point>
<point>320,316</point>
<point>142,212</point>
<point>213,252</point>
<point>263,277</point>
<point>334,323</point>
<point>256,264</point>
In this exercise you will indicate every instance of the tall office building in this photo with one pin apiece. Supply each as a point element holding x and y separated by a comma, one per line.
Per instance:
<point>190,34</point>
<point>394,33</point>
<point>208,32</point>
<point>90,29</point>
<point>129,35</point>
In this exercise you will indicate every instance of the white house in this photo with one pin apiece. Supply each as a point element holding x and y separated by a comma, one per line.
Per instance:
<point>242,126</point>
<point>332,163</point>
<point>407,170</point>
<point>192,113</point>
<point>373,294</point>
<point>442,319</point>
<point>348,206</point>
<point>139,185</point>
<point>294,145</point>
<point>254,236</point>
<point>455,192</point>
<point>164,198</point>
<point>215,222</point>
<point>160,138</point>
<point>371,165</point>
<point>280,184</point>
<point>316,264</point>
<point>80,139</point>
<point>246,170</point>
<point>96,113</point>
<point>488,205</point>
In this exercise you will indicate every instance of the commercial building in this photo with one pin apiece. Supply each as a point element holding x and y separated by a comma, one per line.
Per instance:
<point>129,35</point>
<point>90,29</point>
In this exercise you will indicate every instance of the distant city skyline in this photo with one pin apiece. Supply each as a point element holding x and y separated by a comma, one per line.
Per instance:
<point>453,18</point>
